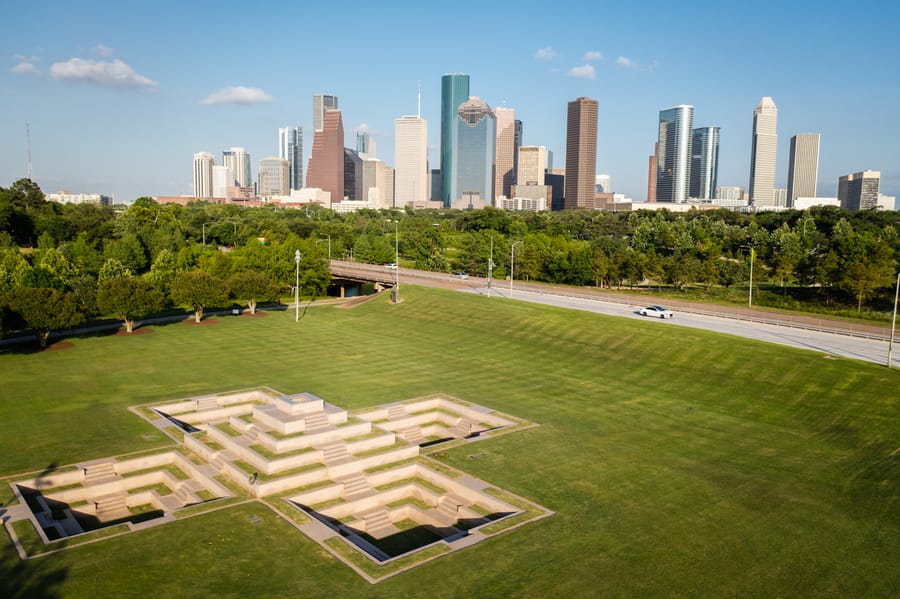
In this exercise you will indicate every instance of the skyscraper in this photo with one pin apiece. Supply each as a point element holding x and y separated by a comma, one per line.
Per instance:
<point>581,153</point>
<point>274,177</point>
<point>474,142</point>
<point>505,151</point>
<point>321,104</point>
<point>652,162</point>
<point>238,160</point>
<point>203,174</point>
<point>704,163</point>
<point>410,160</point>
<point>803,167</point>
<point>365,144</point>
<point>762,153</point>
<point>516,146</point>
<point>454,91</point>
<point>532,165</point>
<point>223,178</point>
<point>326,162</point>
<point>290,148</point>
<point>673,155</point>
<point>353,176</point>
<point>859,191</point>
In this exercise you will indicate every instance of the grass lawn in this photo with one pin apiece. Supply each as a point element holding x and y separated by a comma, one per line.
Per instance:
<point>679,461</point>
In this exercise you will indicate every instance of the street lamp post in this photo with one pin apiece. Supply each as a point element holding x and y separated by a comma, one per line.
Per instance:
<point>512,265</point>
<point>297,287</point>
<point>750,293</point>
<point>893,322</point>
<point>329,246</point>
<point>490,267</point>
<point>203,228</point>
<point>396,261</point>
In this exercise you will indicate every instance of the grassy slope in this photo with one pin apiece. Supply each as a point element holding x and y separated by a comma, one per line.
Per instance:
<point>679,461</point>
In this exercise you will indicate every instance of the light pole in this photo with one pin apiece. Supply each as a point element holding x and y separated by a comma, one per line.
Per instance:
<point>893,322</point>
<point>396,261</point>
<point>491,266</point>
<point>329,246</point>
<point>203,228</point>
<point>297,287</point>
<point>512,265</point>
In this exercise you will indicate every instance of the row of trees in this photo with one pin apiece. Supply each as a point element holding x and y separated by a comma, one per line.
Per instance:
<point>73,249</point>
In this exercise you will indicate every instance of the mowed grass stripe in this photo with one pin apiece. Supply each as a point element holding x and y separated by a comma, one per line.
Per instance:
<point>679,462</point>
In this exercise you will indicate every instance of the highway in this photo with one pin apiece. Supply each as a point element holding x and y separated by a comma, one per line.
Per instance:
<point>856,342</point>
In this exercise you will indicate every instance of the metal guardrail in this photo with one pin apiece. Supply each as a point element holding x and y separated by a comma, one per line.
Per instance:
<point>803,322</point>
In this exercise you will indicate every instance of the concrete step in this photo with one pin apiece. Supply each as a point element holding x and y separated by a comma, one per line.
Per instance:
<point>355,483</point>
<point>334,451</point>
<point>96,473</point>
<point>206,403</point>
<point>395,412</point>
<point>376,519</point>
<point>412,434</point>
<point>316,422</point>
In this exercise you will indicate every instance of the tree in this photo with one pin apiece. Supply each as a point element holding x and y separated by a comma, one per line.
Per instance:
<point>163,270</point>
<point>44,310</point>
<point>198,290</point>
<point>863,277</point>
<point>111,269</point>
<point>253,287</point>
<point>129,298</point>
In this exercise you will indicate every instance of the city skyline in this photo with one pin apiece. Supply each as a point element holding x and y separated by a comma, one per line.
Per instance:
<point>113,112</point>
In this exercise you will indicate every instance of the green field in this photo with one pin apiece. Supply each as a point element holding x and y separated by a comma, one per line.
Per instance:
<point>679,462</point>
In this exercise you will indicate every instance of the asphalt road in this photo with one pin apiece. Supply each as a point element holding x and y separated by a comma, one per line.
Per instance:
<point>827,343</point>
<point>831,344</point>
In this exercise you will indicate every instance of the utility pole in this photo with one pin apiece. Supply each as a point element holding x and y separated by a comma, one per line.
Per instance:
<point>491,266</point>
<point>893,322</point>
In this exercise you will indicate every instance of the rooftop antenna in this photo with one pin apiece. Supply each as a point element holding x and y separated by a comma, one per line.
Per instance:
<point>28,147</point>
<point>419,108</point>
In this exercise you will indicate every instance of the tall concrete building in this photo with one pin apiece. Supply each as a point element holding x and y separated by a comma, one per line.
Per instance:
<point>454,91</point>
<point>602,184</point>
<point>704,163</point>
<point>238,160</point>
<point>274,177</point>
<point>223,178</point>
<point>651,173</point>
<point>673,154</point>
<point>518,144</point>
<point>762,153</point>
<point>203,174</point>
<point>373,183</point>
<point>474,143</point>
<point>411,160</point>
<point>322,103</point>
<point>505,152</point>
<point>803,167</point>
<point>581,153</point>
<point>532,165</point>
<point>326,162</point>
<point>859,191</point>
<point>290,148</point>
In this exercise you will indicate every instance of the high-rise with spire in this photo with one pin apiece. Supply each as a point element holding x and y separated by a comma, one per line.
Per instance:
<point>762,153</point>
<point>454,91</point>
<point>581,153</point>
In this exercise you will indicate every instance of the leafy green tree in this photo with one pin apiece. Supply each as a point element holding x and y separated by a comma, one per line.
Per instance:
<point>13,268</point>
<point>44,310</point>
<point>863,277</point>
<point>129,298</point>
<point>83,254</point>
<point>198,290</point>
<point>163,271</point>
<point>54,261</point>
<point>129,251</point>
<point>84,288</point>
<point>111,269</point>
<point>253,287</point>
<point>38,277</point>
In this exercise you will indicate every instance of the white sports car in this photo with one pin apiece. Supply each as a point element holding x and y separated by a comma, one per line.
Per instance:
<point>656,312</point>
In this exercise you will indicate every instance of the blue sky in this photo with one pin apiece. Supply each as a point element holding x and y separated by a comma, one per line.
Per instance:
<point>120,97</point>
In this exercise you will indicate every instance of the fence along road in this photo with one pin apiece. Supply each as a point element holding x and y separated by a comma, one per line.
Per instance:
<point>828,336</point>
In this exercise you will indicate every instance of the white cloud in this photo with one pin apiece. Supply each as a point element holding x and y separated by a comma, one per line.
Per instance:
<point>237,94</point>
<point>109,73</point>
<point>25,67</point>
<point>626,62</point>
<point>547,53</point>
<point>362,128</point>
<point>592,56</point>
<point>586,71</point>
<point>102,51</point>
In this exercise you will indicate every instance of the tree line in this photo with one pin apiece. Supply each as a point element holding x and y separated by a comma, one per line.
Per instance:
<point>86,261</point>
